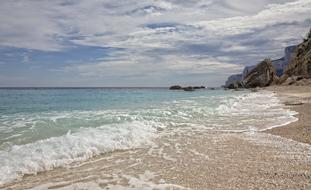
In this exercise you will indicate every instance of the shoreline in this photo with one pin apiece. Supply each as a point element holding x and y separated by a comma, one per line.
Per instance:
<point>298,99</point>
<point>190,159</point>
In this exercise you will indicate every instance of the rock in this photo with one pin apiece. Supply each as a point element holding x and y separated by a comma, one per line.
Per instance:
<point>189,88</point>
<point>234,78</point>
<point>293,103</point>
<point>199,87</point>
<point>283,78</point>
<point>293,80</point>
<point>235,85</point>
<point>247,70</point>
<point>289,81</point>
<point>280,64</point>
<point>300,64</point>
<point>175,87</point>
<point>262,75</point>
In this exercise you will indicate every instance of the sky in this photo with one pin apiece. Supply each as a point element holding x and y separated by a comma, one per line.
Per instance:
<point>92,43</point>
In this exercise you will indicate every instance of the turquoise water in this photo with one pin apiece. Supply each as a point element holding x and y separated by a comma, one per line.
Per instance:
<point>41,129</point>
<point>28,115</point>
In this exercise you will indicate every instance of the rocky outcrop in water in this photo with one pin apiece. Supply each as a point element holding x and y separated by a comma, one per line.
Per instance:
<point>188,88</point>
<point>262,75</point>
<point>300,64</point>
<point>175,87</point>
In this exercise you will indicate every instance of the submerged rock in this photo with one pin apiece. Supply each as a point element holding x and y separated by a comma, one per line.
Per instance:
<point>262,75</point>
<point>175,87</point>
<point>189,88</point>
<point>199,87</point>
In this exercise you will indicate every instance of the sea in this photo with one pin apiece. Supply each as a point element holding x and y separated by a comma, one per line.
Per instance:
<point>42,129</point>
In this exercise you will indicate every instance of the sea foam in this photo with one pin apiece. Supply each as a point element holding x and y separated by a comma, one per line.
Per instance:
<point>59,151</point>
<point>97,132</point>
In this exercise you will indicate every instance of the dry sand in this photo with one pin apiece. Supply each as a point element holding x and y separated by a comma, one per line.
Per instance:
<point>196,159</point>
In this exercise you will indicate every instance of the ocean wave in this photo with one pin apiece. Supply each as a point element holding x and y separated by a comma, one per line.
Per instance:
<point>59,151</point>
<point>96,132</point>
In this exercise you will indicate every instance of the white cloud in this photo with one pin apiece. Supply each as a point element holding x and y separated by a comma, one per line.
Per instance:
<point>158,37</point>
<point>296,11</point>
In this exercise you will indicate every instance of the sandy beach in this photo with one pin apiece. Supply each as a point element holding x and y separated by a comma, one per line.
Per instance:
<point>279,158</point>
<point>298,98</point>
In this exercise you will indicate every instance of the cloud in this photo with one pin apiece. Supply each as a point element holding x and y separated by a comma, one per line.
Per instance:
<point>151,38</point>
<point>274,13</point>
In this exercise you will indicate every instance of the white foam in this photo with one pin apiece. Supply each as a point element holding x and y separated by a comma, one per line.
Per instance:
<point>241,112</point>
<point>59,151</point>
<point>143,181</point>
<point>254,112</point>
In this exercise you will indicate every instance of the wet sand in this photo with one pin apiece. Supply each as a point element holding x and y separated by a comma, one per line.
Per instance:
<point>193,158</point>
<point>298,98</point>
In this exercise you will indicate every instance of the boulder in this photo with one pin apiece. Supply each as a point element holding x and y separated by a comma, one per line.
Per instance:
<point>289,81</point>
<point>175,87</point>
<point>293,80</point>
<point>262,75</point>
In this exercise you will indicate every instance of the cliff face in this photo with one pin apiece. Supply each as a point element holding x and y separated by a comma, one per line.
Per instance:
<point>289,51</point>
<point>278,64</point>
<point>233,79</point>
<point>247,70</point>
<point>300,64</point>
<point>281,64</point>
<point>262,75</point>
<point>296,63</point>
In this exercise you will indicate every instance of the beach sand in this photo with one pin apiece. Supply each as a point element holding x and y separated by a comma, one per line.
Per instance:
<point>279,158</point>
<point>298,98</point>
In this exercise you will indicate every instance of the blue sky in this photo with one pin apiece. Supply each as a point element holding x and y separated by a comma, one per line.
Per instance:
<point>142,42</point>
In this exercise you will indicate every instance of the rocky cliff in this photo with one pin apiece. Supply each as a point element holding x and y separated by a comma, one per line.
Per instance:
<point>300,63</point>
<point>278,64</point>
<point>262,75</point>
<point>296,64</point>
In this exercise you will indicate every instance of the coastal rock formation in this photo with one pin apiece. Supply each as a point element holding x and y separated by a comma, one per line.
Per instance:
<point>262,75</point>
<point>235,85</point>
<point>296,62</point>
<point>289,52</point>
<point>278,64</point>
<point>281,64</point>
<point>188,88</point>
<point>247,70</point>
<point>300,64</point>
<point>175,87</point>
<point>199,87</point>
<point>233,79</point>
